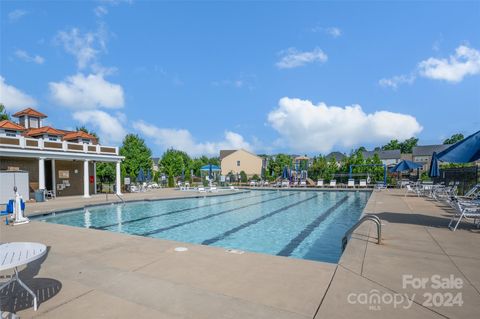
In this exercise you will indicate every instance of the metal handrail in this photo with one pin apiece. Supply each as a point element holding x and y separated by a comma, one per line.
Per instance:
<point>372,218</point>
<point>123,201</point>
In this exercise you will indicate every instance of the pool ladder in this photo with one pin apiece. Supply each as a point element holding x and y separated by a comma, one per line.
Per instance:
<point>120,197</point>
<point>373,218</point>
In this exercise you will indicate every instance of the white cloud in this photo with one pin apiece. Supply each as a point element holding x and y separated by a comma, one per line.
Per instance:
<point>110,128</point>
<point>397,80</point>
<point>85,47</point>
<point>88,92</point>
<point>182,139</point>
<point>292,58</point>
<point>305,126</point>
<point>13,98</point>
<point>334,32</point>
<point>16,14</point>
<point>23,55</point>
<point>465,61</point>
<point>100,11</point>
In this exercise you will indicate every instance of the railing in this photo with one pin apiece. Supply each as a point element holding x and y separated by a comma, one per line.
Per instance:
<point>61,146</point>
<point>372,218</point>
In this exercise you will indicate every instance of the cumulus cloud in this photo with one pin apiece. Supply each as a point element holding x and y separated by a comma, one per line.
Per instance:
<point>13,98</point>
<point>110,128</point>
<point>397,80</point>
<point>16,14</point>
<point>182,139</point>
<point>334,32</point>
<point>85,47</point>
<point>89,92</point>
<point>100,11</point>
<point>23,55</point>
<point>292,58</point>
<point>465,61</point>
<point>306,126</point>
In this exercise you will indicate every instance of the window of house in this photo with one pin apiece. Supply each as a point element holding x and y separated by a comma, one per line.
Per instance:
<point>10,133</point>
<point>238,163</point>
<point>85,141</point>
<point>34,123</point>
<point>52,138</point>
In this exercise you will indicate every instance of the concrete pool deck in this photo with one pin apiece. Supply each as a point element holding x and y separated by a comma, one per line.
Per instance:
<point>98,274</point>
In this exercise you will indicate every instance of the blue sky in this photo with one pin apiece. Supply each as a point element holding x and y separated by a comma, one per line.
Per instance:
<point>305,77</point>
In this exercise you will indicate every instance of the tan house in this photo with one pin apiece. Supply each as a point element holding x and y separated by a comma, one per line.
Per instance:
<point>235,161</point>
<point>56,160</point>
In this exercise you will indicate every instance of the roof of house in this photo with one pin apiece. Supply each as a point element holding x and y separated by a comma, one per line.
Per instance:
<point>44,130</point>
<point>337,155</point>
<point>156,160</point>
<point>9,125</point>
<point>77,135</point>
<point>388,154</point>
<point>427,150</point>
<point>225,153</point>
<point>30,112</point>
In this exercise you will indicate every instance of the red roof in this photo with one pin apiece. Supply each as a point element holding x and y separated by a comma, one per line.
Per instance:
<point>29,112</point>
<point>8,125</point>
<point>77,135</point>
<point>44,130</point>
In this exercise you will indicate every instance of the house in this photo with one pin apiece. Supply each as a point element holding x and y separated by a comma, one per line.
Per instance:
<point>235,161</point>
<point>423,154</point>
<point>337,156</point>
<point>59,160</point>
<point>388,157</point>
<point>155,164</point>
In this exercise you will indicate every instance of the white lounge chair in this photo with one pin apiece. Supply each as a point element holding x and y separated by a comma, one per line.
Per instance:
<point>333,183</point>
<point>285,184</point>
<point>351,183</point>
<point>363,183</point>
<point>320,183</point>
<point>201,190</point>
<point>464,211</point>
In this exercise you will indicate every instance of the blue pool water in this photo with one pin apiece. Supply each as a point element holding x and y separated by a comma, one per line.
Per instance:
<point>299,224</point>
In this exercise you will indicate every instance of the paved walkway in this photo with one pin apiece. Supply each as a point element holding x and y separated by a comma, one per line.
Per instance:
<point>90,274</point>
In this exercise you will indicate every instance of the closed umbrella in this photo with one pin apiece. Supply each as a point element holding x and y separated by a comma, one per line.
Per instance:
<point>285,174</point>
<point>140,176</point>
<point>434,171</point>
<point>148,178</point>
<point>183,175</point>
<point>210,176</point>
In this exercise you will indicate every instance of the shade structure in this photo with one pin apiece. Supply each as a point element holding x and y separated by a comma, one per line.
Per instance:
<point>207,168</point>
<point>465,151</point>
<point>434,171</point>
<point>140,176</point>
<point>404,165</point>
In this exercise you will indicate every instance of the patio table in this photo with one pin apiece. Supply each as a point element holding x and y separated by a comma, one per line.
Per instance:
<point>15,254</point>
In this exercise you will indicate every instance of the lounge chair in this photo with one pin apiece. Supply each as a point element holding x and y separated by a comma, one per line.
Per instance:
<point>285,184</point>
<point>363,183</point>
<point>351,183</point>
<point>464,211</point>
<point>333,183</point>
<point>320,183</point>
<point>303,184</point>
<point>201,190</point>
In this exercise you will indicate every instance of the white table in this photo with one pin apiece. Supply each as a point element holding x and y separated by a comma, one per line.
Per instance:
<point>13,255</point>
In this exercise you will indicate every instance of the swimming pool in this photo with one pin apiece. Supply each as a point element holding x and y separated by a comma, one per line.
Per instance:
<point>299,224</point>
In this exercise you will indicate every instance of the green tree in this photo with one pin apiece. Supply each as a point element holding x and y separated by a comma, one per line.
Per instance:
<point>407,145</point>
<point>454,139</point>
<point>392,145</point>
<point>137,155</point>
<point>173,162</point>
<point>106,172</point>
<point>255,177</point>
<point>243,177</point>
<point>3,113</point>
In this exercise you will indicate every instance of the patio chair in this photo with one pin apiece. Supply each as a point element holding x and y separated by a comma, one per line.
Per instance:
<point>351,183</point>
<point>464,211</point>
<point>50,194</point>
<point>363,183</point>
<point>320,183</point>
<point>303,184</point>
<point>8,210</point>
<point>412,189</point>
<point>201,190</point>
<point>333,183</point>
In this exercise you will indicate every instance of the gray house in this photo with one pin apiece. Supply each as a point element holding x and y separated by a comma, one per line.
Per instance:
<point>423,154</point>
<point>389,157</point>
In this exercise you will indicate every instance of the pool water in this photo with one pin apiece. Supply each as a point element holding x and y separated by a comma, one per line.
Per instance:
<point>298,224</point>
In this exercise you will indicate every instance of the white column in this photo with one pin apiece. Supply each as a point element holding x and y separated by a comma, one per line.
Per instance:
<point>86,186</point>
<point>118,183</point>
<point>95,177</point>
<point>54,178</point>
<point>41,173</point>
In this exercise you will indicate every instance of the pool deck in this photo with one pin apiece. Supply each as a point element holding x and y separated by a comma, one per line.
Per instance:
<point>98,274</point>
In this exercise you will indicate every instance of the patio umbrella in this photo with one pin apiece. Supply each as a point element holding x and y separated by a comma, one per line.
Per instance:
<point>465,151</point>
<point>140,176</point>
<point>434,171</point>
<point>404,165</point>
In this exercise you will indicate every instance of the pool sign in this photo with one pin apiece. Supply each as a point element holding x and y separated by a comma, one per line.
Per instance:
<point>127,180</point>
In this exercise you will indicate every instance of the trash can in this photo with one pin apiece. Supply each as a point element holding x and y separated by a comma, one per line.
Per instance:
<point>40,195</point>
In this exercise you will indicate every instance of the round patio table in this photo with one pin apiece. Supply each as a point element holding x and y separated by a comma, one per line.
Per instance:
<point>13,255</point>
